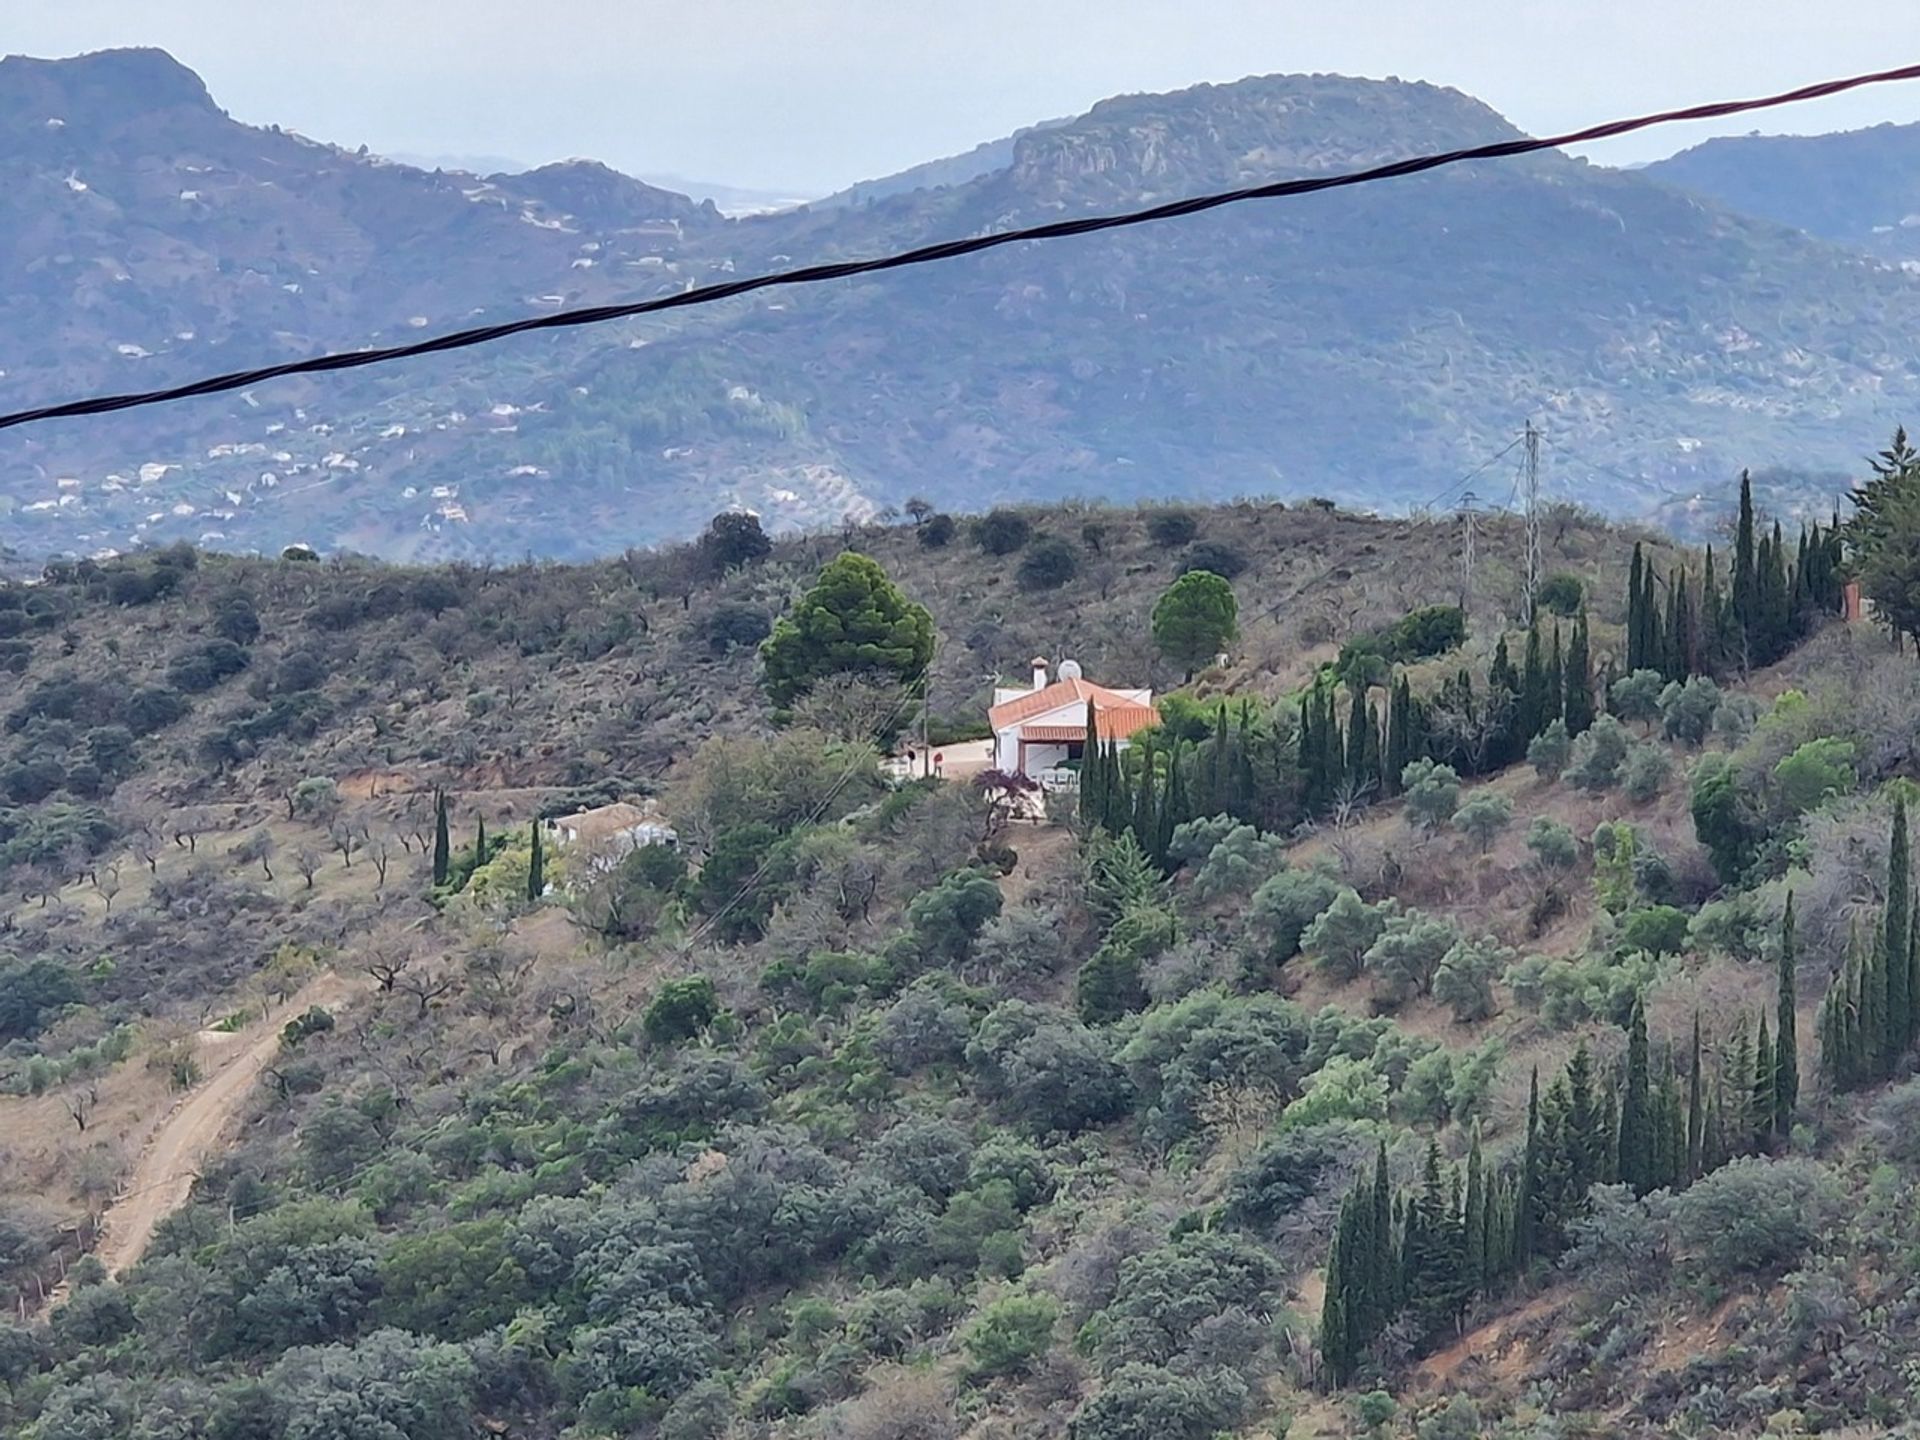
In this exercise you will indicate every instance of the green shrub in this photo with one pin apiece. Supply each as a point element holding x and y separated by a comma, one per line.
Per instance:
<point>681,1010</point>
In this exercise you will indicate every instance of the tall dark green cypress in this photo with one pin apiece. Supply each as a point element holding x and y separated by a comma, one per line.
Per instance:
<point>1359,744</point>
<point>1760,1107</point>
<point>1786,1060</point>
<point>1636,620</point>
<point>1712,618</point>
<point>1474,1218</point>
<point>1696,1107</point>
<point>1746,579</point>
<point>1578,709</point>
<point>1532,713</point>
<point>536,864</point>
<point>442,845</point>
<point>1173,809</point>
<point>1637,1139</point>
<point>1897,936</point>
<point>1556,704</point>
<point>1092,774</point>
<point>1526,1208</point>
<point>479,841</point>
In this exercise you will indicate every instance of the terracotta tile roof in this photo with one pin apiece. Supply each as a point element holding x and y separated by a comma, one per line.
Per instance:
<point>1062,692</point>
<point>1121,723</point>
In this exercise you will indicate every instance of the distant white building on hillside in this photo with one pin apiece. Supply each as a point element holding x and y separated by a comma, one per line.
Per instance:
<point>1044,726</point>
<point>607,834</point>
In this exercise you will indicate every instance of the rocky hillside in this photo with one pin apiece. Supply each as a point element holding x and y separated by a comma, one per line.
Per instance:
<point>1370,345</point>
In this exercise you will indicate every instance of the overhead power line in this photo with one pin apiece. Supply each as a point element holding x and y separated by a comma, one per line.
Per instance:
<point>945,250</point>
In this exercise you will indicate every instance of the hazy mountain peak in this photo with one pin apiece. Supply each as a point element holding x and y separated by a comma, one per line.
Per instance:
<point>1249,131</point>
<point>104,89</point>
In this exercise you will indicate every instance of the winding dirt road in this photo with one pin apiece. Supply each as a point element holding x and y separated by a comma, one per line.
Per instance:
<point>163,1176</point>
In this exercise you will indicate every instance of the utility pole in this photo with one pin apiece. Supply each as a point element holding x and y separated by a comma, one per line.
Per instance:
<point>1533,519</point>
<point>1469,523</point>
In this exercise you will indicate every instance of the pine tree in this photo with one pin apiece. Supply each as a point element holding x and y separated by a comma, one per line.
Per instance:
<point>536,865</point>
<point>442,847</point>
<point>1637,1140</point>
<point>1786,1061</point>
<point>1578,709</point>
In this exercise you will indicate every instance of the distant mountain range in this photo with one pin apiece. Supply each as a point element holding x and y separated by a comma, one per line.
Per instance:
<point>1371,345</point>
<point>1860,189</point>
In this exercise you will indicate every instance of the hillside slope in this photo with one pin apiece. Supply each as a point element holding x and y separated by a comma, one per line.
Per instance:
<point>873,1113</point>
<point>1369,345</point>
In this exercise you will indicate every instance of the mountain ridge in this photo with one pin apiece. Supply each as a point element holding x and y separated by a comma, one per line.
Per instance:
<point>1268,349</point>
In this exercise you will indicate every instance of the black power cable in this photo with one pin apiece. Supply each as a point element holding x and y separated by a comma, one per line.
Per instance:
<point>946,250</point>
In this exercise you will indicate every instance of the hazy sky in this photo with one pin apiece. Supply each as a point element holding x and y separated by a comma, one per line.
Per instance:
<point>808,95</point>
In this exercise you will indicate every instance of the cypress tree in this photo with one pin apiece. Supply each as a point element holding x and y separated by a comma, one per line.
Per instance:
<point>1117,789</point>
<point>1712,618</point>
<point>1685,638</point>
<point>1696,1107</point>
<point>1667,657</point>
<point>1383,1292</point>
<point>1359,726</point>
<point>1746,581</point>
<point>1503,697</point>
<point>1092,773</point>
<point>1786,1060</point>
<point>1525,1210</point>
<point>536,865</point>
<point>1173,808</point>
<point>1896,928</point>
<point>1760,1109</point>
<point>1636,620</point>
<point>1531,716</point>
<point>1637,1139</point>
<point>1336,1323</point>
<point>442,846</point>
<point>479,841</point>
<point>1474,1217</point>
<point>1578,710</point>
<point>1556,684</point>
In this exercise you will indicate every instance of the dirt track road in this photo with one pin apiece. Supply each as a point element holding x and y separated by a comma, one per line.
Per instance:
<point>164,1174</point>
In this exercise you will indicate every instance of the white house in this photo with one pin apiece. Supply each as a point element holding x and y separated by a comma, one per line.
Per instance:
<point>609,833</point>
<point>1045,725</point>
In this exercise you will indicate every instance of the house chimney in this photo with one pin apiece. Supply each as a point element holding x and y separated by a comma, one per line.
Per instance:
<point>1039,672</point>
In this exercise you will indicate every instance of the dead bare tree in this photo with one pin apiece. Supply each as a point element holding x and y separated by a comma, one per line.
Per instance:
<point>347,833</point>
<point>380,851</point>
<point>386,959</point>
<point>144,846</point>
<point>81,1104</point>
<point>424,987</point>
<point>308,861</point>
<point>106,884</point>
<point>257,848</point>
